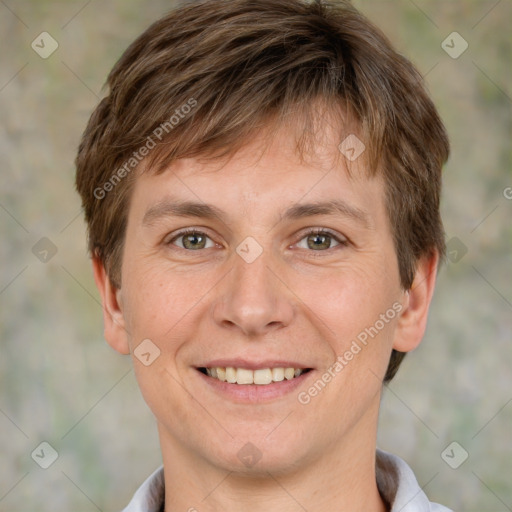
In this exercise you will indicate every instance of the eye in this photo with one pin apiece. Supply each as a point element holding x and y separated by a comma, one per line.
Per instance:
<point>192,239</point>
<point>321,239</point>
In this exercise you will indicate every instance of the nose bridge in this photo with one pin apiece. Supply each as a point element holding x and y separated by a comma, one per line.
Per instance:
<point>253,298</point>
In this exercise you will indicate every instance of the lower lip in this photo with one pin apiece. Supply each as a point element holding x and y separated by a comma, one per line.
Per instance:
<point>254,393</point>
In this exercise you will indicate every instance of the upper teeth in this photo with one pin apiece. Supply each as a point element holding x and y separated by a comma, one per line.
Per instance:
<point>244,376</point>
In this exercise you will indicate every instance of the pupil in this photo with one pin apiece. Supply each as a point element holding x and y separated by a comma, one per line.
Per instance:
<point>193,240</point>
<point>320,241</point>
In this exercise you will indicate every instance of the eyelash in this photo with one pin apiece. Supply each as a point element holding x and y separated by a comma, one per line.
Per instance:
<point>343,242</point>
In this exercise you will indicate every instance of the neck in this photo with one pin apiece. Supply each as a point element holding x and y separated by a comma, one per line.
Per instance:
<point>341,479</point>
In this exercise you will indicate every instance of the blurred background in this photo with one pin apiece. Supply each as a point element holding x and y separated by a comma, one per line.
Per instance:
<point>448,413</point>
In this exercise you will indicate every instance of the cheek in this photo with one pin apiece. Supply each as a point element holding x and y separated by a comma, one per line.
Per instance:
<point>164,394</point>
<point>155,299</point>
<point>357,318</point>
<point>348,299</point>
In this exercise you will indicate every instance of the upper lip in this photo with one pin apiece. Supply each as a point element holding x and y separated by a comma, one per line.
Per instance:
<point>252,365</point>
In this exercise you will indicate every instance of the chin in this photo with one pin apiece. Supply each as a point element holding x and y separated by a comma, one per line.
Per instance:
<point>257,456</point>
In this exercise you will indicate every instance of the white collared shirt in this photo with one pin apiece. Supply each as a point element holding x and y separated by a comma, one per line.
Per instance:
<point>395,480</point>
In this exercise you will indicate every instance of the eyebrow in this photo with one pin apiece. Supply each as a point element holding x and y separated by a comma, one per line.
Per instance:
<point>179,208</point>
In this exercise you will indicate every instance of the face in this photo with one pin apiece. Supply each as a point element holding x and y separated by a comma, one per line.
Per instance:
<point>258,284</point>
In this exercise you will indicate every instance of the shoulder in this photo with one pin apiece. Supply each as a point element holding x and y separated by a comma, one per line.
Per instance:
<point>149,497</point>
<point>399,487</point>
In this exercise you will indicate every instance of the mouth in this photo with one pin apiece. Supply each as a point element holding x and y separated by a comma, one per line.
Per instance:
<point>259,377</point>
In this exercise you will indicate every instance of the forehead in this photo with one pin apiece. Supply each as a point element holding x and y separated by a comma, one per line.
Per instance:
<point>268,174</point>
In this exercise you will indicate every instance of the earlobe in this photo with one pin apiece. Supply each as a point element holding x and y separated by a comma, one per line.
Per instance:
<point>413,319</point>
<point>114,324</point>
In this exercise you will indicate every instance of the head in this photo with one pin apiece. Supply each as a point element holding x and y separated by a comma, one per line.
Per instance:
<point>254,106</point>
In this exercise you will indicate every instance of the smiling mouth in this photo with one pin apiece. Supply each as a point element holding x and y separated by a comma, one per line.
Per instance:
<point>244,376</point>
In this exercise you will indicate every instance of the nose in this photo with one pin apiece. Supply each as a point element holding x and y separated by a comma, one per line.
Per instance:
<point>253,298</point>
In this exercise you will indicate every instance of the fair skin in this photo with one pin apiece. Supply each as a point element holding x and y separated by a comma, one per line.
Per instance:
<point>301,302</point>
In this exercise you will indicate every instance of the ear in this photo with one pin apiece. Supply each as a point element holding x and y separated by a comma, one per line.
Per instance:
<point>413,318</point>
<point>114,324</point>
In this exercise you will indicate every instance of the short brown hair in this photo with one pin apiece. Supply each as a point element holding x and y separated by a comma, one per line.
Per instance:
<point>236,64</point>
